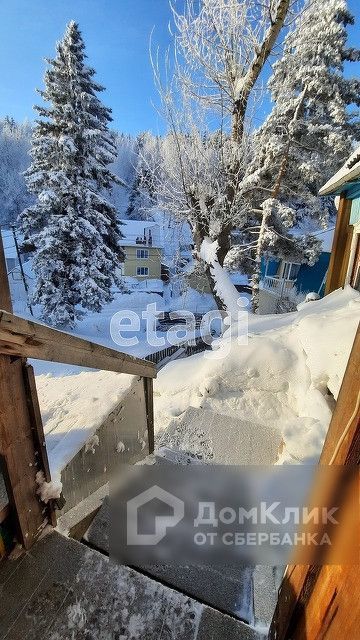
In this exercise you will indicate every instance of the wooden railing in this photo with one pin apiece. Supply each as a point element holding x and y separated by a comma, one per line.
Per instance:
<point>26,338</point>
<point>22,442</point>
<point>277,285</point>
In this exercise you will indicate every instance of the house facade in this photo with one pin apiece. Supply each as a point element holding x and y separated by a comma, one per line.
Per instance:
<point>143,249</point>
<point>281,278</point>
<point>344,266</point>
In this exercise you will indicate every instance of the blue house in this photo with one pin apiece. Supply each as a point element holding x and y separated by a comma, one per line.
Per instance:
<point>279,277</point>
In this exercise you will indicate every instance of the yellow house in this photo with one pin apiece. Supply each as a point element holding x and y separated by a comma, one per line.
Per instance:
<point>143,249</point>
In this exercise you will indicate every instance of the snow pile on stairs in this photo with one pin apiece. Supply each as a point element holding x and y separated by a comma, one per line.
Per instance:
<point>286,377</point>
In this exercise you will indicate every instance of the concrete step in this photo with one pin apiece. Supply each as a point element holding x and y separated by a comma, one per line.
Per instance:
<point>229,591</point>
<point>214,437</point>
<point>61,589</point>
<point>197,437</point>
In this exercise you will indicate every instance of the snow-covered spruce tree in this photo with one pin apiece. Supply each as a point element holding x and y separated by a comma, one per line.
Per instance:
<point>306,137</point>
<point>72,226</point>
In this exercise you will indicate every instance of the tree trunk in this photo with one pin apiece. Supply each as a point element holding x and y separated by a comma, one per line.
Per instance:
<point>212,284</point>
<point>224,242</point>
<point>255,281</point>
<point>200,233</point>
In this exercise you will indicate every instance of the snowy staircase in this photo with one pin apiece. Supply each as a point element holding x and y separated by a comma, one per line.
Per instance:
<point>221,439</point>
<point>61,589</point>
<point>204,436</point>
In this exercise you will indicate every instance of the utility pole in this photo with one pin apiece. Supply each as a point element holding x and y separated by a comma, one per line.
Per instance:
<point>22,269</point>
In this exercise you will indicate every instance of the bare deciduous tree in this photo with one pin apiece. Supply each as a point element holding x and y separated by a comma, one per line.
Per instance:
<point>221,46</point>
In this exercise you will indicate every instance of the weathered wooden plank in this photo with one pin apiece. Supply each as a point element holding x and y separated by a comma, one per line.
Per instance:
<point>19,453</point>
<point>149,403</point>
<point>38,430</point>
<point>345,414</point>
<point>303,589</point>
<point>340,252</point>
<point>20,337</point>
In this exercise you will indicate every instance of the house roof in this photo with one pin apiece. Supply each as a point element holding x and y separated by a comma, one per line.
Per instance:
<point>132,229</point>
<point>343,179</point>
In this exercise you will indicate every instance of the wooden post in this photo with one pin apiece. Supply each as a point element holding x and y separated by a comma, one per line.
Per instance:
<point>339,257</point>
<point>21,436</point>
<point>19,453</point>
<point>149,404</point>
<point>323,601</point>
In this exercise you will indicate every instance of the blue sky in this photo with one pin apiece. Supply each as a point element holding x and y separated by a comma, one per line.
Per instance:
<point>116,34</point>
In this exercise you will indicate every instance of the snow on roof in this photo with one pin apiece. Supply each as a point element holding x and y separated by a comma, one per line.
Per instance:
<point>278,377</point>
<point>349,171</point>
<point>133,229</point>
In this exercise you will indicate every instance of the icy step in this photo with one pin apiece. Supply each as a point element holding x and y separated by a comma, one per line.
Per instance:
<point>222,439</point>
<point>228,591</point>
<point>197,437</point>
<point>61,590</point>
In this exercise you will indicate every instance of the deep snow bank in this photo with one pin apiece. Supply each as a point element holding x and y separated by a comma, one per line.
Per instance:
<point>280,378</point>
<point>73,407</point>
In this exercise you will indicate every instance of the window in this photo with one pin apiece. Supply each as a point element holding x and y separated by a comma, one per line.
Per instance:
<point>289,270</point>
<point>142,271</point>
<point>142,254</point>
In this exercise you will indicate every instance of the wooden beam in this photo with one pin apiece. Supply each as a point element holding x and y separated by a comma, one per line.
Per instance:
<point>347,450</point>
<point>25,338</point>
<point>149,404</point>
<point>339,256</point>
<point>38,431</point>
<point>21,457</point>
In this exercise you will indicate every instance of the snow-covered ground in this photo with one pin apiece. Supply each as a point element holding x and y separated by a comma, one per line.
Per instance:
<point>74,401</point>
<point>280,379</point>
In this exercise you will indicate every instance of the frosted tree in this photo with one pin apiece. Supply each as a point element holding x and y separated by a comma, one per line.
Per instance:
<point>72,226</point>
<point>124,169</point>
<point>14,160</point>
<point>221,47</point>
<point>146,170</point>
<point>307,136</point>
